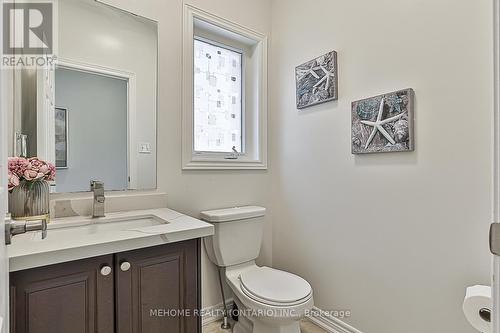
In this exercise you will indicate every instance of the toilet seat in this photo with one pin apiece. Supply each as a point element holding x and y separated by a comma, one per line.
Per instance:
<point>274,287</point>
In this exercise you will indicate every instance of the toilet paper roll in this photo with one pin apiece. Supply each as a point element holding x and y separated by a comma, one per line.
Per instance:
<point>477,307</point>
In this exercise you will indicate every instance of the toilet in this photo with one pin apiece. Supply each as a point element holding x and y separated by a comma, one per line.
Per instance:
<point>269,300</point>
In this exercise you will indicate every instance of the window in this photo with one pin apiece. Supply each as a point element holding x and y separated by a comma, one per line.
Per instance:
<point>218,108</point>
<point>224,94</point>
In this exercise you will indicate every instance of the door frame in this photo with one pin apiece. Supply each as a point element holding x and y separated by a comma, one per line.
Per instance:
<point>4,260</point>
<point>496,162</point>
<point>496,113</point>
<point>130,78</point>
<point>5,99</point>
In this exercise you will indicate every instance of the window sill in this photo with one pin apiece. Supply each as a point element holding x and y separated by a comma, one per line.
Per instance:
<point>224,165</point>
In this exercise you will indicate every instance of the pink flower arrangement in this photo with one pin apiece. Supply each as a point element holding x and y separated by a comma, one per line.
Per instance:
<point>29,169</point>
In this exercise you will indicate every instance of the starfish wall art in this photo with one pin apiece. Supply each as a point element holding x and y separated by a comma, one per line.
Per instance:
<point>317,80</point>
<point>383,123</point>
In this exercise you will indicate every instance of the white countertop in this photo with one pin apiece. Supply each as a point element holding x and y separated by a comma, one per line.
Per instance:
<point>29,250</point>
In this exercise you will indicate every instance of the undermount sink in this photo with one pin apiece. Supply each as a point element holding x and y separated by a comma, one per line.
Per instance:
<point>105,224</point>
<point>87,226</point>
<point>78,237</point>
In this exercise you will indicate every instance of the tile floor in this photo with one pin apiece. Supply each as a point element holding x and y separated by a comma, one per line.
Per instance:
<point>305,326</point>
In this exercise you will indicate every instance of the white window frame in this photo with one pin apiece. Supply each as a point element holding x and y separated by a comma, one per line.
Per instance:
<point>254,113</point>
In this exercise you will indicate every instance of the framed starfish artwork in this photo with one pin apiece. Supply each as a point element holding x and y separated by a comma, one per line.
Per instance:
<point>316,81</point>
<point>383,123</point>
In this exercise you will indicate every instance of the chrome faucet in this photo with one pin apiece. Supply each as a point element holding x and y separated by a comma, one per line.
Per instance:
<point>98,206</point>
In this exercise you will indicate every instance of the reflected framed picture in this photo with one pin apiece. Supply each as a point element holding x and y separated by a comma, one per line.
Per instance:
<point>61,133</point>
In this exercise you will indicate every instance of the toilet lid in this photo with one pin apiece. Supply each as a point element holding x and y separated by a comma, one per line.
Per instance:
<point>275,286</point>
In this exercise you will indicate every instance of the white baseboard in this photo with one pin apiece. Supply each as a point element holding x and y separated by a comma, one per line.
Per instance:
<point>214,312</point>
<point>330,323</point>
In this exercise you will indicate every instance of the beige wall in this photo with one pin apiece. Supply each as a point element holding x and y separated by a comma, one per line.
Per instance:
<point>194,191</point>
<point>396,237</point>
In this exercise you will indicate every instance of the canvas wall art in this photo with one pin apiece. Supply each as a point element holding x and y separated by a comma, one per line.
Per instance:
<point>317,80</point>
<point>383,123</point>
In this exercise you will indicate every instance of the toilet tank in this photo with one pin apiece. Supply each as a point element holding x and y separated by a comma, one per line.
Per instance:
<point>238,234</point>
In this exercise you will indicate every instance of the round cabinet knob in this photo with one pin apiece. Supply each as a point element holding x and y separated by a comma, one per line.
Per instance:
<point>125,266</point>
<point>105,270</point>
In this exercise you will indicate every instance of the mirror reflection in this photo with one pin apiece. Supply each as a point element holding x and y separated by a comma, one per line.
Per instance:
<point>94,114</point>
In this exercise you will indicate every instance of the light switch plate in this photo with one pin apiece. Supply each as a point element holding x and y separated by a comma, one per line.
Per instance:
<point>145,148</point>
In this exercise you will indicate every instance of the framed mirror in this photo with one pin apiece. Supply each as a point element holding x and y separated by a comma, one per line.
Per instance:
<point>94,113</point>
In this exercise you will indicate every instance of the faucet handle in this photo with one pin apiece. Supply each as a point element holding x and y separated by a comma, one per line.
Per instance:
<point>33,223</point>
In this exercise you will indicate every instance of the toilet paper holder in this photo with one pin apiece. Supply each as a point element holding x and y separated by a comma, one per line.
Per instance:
<point>477,307</point>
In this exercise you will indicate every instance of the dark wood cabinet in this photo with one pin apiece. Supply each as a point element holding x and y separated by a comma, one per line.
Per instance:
<point>150,290</point>
<point>159,292</point>
<point>71,297</point>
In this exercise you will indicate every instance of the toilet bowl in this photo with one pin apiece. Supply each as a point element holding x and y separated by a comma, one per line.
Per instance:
<point>272,300</point>
<point>269,300</point>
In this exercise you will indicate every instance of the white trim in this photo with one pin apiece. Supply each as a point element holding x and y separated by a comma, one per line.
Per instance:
<point>45,97</point>
<point>496,163</point>
<point>256,142</point>
<point>130,77</point>
<point>93,68</point>
<point>207,312</point>
<point>329,323</point>
<point>6,106</point>
<point>496,112</point>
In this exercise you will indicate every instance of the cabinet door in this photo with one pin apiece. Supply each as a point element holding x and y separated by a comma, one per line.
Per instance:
<point>159,293</point>
<point>70,297</point>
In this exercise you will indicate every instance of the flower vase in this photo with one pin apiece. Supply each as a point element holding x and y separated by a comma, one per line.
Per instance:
<point>29,199</point>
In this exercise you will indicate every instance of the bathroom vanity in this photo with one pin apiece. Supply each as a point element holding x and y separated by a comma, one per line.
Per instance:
<point>128,272</point>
